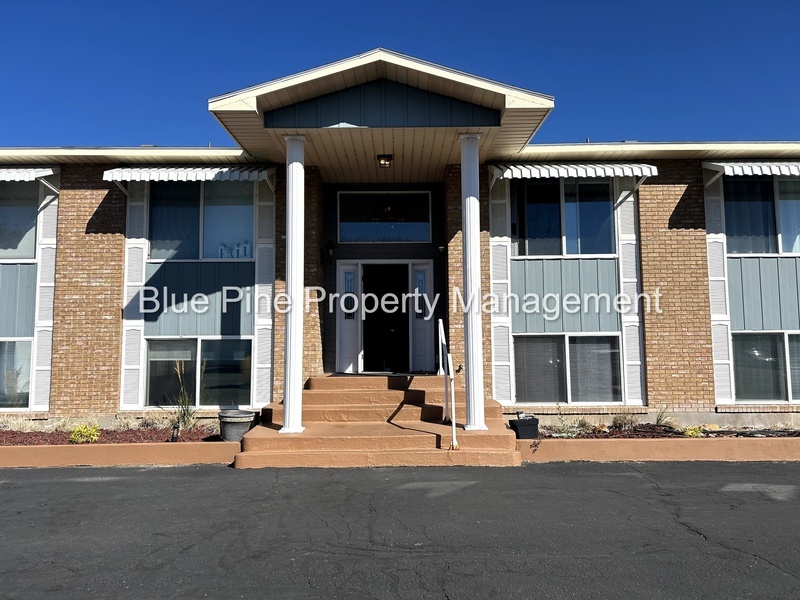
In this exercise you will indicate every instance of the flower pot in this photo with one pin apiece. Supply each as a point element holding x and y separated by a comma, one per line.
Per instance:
<point>526,428</point>
<point>233,424</point>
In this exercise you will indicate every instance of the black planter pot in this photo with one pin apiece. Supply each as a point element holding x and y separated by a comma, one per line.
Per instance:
<point>233,424</point>
<point>526,428</point>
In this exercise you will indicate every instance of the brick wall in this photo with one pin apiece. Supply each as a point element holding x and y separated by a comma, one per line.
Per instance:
<point>87,315</point>
<point>455,267</point>
<point>678,358</point>
<point>312,324</point>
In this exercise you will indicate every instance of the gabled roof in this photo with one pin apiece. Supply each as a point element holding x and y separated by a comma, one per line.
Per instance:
<point>242,112</point>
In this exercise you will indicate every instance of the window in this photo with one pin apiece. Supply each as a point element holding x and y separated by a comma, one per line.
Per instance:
<point>226,225</point>
<point>588,372</point>
<point>15,373</point>
<point>760,366</point>
<point>762,215</point>
<point>18,210</point>
<point>388,217</point>
<point>566,216</point>
<point>221,376</point>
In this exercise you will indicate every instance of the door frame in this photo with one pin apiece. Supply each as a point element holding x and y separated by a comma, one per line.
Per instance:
<point>347,264</point>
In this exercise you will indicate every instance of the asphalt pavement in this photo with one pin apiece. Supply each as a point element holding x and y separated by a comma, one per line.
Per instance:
<point>580,530</point>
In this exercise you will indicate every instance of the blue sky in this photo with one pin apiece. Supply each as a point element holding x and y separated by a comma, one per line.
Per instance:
<point>128,73</point>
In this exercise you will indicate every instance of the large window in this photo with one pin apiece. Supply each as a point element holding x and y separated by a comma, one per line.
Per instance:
<point>762,215</point>
<point>568,369</point>
<point>218,213</point>
<point>18,209</point>
<point>566,217</point>
<point>760,366</point>
<point>15,373</point>
<point>375,217</point>
<point>200,372</point>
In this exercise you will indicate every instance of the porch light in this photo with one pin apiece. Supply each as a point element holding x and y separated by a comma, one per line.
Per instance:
<point>384,161</point>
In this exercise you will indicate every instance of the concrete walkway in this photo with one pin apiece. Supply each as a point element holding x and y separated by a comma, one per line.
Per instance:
<point>699,530</point>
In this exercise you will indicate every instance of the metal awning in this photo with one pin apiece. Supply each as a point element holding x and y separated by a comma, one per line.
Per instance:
<point>755,168</point>
<point>189,174</point>
<point>549,170</point>
<point>25,174</point>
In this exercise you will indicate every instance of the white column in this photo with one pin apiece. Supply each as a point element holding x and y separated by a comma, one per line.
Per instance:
<point>295,267</point>
<point>471,235</point>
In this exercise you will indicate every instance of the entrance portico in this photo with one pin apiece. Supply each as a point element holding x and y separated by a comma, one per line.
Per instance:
<point>339,118</point>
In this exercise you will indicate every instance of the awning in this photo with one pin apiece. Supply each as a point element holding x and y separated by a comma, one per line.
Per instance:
<point>549,170</point>
<point>188,174</point>
<point>755,168</point>
<point>25,174</point>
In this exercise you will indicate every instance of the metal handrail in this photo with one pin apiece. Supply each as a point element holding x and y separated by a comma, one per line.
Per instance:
<point>446,369</point>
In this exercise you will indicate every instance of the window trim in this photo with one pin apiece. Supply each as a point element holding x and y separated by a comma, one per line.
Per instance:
<point>198,347</point>
<point>201,224</point>
<point>523,235</point>
<point>787,376</point>
<point>567,365</point>
<point>776,215</point>
<point>382,193</point>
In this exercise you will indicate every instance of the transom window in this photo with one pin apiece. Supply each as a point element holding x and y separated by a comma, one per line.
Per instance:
<point>760,366</point>
<point>384,217</point>
<point>18,209</point>
<point>191,220</point>
<point>566,216</point>
<point>568,369</point>
<point>200,372</point>
<point>762,215</point>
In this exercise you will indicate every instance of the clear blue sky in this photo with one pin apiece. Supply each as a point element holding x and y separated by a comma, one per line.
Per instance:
<point>121,73</point>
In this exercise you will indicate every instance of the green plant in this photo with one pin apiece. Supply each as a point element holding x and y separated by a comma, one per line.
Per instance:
<point>85,434</point>
<point>693,431</point>
<point>185,412</point>
<point>663,420</point>
<point>564,429</point>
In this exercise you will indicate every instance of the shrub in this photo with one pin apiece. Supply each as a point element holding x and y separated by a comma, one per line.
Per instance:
<point>624,421</point>
<point>85,434</point>
<point>693,431</point>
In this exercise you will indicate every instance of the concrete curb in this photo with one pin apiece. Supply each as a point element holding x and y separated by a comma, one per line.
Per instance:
<point>109,455</point>
<point>660,449</point>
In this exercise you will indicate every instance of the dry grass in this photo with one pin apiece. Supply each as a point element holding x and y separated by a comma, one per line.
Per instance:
<point>123,422</point>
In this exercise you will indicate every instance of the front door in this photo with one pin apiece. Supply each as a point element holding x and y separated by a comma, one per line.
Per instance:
<point>384,322</point>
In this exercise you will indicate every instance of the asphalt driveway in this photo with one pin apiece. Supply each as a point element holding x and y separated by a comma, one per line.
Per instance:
<point>687,530</point>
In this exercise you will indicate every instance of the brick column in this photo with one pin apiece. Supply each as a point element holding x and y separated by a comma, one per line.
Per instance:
<point>678,357</point>
<point>87,310</point>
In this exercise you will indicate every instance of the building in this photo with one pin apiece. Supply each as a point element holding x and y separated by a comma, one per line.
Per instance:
<point>604,278</point>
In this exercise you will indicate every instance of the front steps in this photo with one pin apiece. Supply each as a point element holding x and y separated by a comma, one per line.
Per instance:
<point>377,421</point>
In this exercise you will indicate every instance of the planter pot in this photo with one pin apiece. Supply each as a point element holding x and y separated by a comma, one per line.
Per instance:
<point>233,424</point>
<point>526,428</point>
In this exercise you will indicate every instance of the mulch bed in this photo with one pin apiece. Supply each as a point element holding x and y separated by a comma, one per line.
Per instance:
<point>132,436</point>
<point>648,430</point>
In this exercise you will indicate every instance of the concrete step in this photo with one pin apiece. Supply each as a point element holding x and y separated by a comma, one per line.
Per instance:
<point>377,458</point>
<point>341,436</point>
<point>378,382</point>
<point>325,397</point>
<point>343,413</point>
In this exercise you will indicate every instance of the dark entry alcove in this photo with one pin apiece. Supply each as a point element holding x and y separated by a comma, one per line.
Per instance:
<point>386,333</point>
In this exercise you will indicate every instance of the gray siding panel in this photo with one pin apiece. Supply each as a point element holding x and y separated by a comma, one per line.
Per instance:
<point>205,278</point>
<point>764,293</point>
<point>382,103</point>
<point>17,299</point>
<point>562,277</point>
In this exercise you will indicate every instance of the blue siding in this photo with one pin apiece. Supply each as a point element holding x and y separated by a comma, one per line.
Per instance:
<point>382,103</point>
<point>561,277</point>
<point>207,278</point>
<point>764,293</point>
<point>17,299</point>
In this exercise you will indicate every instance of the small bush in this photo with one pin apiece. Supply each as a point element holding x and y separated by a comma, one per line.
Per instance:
<point>624,422</point>
<point>124,423</point>
<point>85,434</point>
<point>693,431</point>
